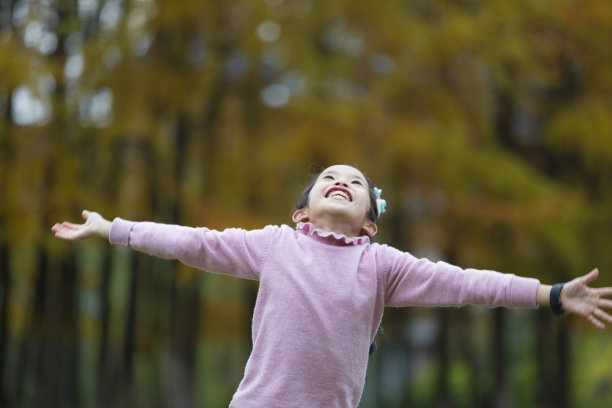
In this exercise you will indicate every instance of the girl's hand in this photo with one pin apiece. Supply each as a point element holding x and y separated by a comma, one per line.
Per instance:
<point>578,298</point>
<point>95,224</point>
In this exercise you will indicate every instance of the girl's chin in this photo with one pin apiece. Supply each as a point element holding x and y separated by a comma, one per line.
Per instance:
<point>339,207</point>
<point>341,211</point>
<point>339,202</point>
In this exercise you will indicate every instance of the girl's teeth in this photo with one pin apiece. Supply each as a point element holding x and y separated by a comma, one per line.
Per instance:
<point>339,195</point>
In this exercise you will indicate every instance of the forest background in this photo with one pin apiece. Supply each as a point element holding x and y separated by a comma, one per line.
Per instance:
<point>486,123</point>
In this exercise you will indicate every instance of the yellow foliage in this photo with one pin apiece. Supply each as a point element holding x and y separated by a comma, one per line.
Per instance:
<point>584,129</point>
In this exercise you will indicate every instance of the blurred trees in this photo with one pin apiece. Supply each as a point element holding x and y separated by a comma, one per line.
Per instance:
<point>485,123</point>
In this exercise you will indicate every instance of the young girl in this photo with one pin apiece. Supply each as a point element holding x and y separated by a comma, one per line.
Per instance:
<point>323,287</point>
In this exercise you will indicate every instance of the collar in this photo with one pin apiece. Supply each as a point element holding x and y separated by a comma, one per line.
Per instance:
<point>329,237</point>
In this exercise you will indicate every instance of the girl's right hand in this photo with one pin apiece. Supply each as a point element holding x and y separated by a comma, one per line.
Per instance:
<point>94,224</point>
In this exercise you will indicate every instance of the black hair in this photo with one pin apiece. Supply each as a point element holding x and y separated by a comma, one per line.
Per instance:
<point>303,200</point>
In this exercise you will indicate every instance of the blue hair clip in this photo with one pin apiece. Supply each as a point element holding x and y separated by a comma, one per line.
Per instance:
<point>380,203</point>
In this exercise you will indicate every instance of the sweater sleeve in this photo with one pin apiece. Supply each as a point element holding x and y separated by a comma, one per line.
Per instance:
<point>234,251</point>
<point>410,281</point>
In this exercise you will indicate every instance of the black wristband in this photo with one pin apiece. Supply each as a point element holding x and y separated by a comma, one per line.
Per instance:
<point>555,299</point>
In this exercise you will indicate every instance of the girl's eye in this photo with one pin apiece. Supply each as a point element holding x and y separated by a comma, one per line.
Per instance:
<point>358,182</point>
<point>328,177</point>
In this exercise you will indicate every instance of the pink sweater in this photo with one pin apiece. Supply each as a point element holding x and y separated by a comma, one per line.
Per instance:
<point>321,299</point>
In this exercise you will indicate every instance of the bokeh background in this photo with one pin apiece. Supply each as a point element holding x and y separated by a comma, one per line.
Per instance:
<point>486,123</point>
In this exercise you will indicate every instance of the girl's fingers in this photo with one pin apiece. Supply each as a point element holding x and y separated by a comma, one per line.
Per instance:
<point>600,314</point>
<point>607,303</point>
<point>595,322</point>
<point>64,226</point>
<point>64,234</point>
<point>590,277</point>
<point>71,231</point>
<point>72,226</point>
<point>59,228</point>
<point>603,291</point>
<point>67,230</point>
<point>69,234</point>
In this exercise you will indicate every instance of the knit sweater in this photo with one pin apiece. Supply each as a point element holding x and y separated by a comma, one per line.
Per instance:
<point>320,300</point>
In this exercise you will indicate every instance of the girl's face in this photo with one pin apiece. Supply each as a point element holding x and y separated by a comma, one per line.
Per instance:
<point>339,202</point>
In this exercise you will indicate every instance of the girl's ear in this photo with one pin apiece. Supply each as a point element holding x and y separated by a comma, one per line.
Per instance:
<point>300,215</point>
<point>369,228</point>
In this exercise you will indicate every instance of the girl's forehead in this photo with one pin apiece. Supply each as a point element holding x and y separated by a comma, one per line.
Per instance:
<point>344,170</point>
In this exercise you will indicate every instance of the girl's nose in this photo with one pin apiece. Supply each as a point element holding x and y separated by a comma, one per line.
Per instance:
<point>341,182</point>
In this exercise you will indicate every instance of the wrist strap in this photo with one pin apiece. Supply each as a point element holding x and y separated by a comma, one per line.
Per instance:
<point>555,299</point>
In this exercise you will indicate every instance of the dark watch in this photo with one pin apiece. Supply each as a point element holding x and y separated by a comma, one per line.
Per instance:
<point>555,299</point>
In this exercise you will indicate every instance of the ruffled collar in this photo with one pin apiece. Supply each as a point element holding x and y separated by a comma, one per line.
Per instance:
<point>329,237</point>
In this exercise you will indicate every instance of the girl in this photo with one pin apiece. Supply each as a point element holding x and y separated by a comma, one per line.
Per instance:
<point>323,287</point>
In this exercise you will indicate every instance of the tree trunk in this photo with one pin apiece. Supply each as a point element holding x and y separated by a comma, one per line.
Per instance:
<point>68,339</point>
<point>499,360</point>
<point>443,360</point>
<point>30,344</point>
<point>5,285</point>
<point>130,325</point>
<point>185,312</point>
<point>547,361</point>
<point>103,366</point>
<point>562,373</point>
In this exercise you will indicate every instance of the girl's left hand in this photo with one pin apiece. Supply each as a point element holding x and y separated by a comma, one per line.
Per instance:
<point>94,224</point>
<point>580,299</point>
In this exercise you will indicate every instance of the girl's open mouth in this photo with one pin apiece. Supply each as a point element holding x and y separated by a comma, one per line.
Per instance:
<point>339,193</point>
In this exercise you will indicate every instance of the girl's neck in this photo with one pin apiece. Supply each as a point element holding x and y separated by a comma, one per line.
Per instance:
<point>336,226</point>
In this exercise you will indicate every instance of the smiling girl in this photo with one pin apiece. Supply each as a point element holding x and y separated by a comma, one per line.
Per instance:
<point>323,287</point>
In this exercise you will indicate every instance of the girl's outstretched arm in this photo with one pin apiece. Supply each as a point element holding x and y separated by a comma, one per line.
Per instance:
<point>580,299</point>
<point>234,251</point>
<point>95,225</point>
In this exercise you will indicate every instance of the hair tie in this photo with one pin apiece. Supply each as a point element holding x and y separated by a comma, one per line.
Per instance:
<point>380,203</point>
